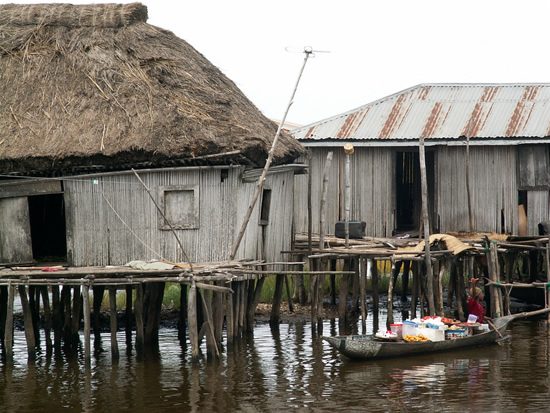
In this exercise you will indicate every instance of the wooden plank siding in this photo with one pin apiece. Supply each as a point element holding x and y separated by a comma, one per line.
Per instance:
<point>95,236</point>
<point>15,230</point>
<point>537,210</point>
<point>493,187</point>
<point>372,195</point>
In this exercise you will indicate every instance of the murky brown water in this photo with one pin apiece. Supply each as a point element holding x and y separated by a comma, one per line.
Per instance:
<point>287,370</point>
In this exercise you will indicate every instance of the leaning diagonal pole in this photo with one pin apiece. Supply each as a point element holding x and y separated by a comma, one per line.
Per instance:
<point>261,180</point>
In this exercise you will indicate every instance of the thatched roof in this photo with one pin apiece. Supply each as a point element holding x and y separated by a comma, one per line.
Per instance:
<point>96,85</point>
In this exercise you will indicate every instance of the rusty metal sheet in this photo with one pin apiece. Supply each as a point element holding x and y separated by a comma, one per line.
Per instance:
<point>443,111</point>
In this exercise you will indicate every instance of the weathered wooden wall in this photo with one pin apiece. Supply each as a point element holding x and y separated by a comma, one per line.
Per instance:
<point>493,187</point>
<point>95,236</point>
<point>372,197</point>
<point>15,231</point>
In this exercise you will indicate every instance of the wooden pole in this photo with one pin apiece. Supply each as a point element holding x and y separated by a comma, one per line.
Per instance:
<point>493,276</point>
<point>468,193</point>
<point>230,317</point>
<point>128,315</point>
<point>75,317</point>
<point>47,318</point>
<point>98,292</point>
<point>363,294</point>
<point>548,277</point>
<point>192,315</point>
<point>439,285</point>
<point>426,224</point>
<point>343,295</point>
<point>182,320</point>
<point>309,207</point>
<point>277,298</point>
<point>114,324</point>
<point>138,315</point>
<point>8,330</point>
<point>288,295</point>
<point>375,296</point>
<point>415,289</point>
<point>394,269</point>
<point>261,179</point>
<point>87,322</point>
<point>323,205</point>
<point>348,149</point>
<point>27,320</point>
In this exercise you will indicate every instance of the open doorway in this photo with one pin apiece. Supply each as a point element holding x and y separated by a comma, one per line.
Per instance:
<point>408,196</point>
<point>47,218</point>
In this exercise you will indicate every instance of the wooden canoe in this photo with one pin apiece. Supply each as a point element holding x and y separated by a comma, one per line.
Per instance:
<point>365,347</point>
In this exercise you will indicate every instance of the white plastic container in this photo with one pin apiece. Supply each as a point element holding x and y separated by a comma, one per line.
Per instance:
<point>410,329</point>
<point>433,334</point>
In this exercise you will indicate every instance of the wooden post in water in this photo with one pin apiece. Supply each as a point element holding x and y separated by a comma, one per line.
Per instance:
<point>75,318</point>
<point>87,322</point>
<point>414,288</point>
<point>394,269</point>
<point>182,319</point>
<point>288,295</point>
<point>192,316</point>
<point>230,311</point>
<point>3,313</point>
<point>8,330</point>
<point>57,318</point>
<point>256,289</point>
<point>496,303</point>
<point>27,320</point>
<point>128,316</point>
<point>363,294</point>
<point>211,344</point>
<point>547,256</point>
<point>47,318</point>
<point>439,286</point>
<point>343,295</point>
<point>277,297</point>
<point>375,296</point>
<point>323,205</point>
<point>426,224</point>
<point>138,315</point>
<point>34,305</point>
<point>114,324</point>
<point>98,292</point>
<point>348,150</point>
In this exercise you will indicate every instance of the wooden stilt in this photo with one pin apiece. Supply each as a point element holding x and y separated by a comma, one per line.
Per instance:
<point>249,309</point>
<point>192,315</point>
<point>355,289</point>
<point>75,317</point>
<point>128,316</point>
<point>415,289</point>
<point>363,294</point>
<point>99,292</point>
<point>439,287</point>
<point>113,323</point>
<point>8,330</point>
<point>230,316</point>
<point>405,280</point>
<point>547,256</point>
<point>314,293</point>
<point>47,318</point>
<point>138,315</point>
<point>57,317</point>
<point>460,293</point>
<point>3,313</point>
<point>343,296</point>
<point>182,319</point>
<point>211,344</point>
<point>27,320</point>
<point>277,297</point>
<point>243,303</point>
<point>87,322</point>
<point>289,296</point>
<point>257,292</point>
<point>237,308</point>
<point>496,304</point>
<point>34,305</point>
<point>218,314</point>
<point>395,266</point>
<point>375,297</point>
<point>155,293</point>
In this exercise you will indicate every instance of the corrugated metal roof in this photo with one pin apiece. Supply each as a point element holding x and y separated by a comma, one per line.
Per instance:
<point>443,111</point>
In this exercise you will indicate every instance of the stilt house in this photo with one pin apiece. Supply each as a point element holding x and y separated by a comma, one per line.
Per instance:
<point>89,92</point>
<point>505,126</point>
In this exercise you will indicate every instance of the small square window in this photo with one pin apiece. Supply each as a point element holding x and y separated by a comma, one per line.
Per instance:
<point>180,205</point>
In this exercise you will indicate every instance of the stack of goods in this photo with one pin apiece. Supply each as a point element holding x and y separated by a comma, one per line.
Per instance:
<point>430,328</point>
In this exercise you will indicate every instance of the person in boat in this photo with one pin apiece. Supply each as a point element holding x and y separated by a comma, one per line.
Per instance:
<point>475,303</point>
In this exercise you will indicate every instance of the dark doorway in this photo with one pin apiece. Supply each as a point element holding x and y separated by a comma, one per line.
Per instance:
<point>47,218</point>
<point>408,197</point>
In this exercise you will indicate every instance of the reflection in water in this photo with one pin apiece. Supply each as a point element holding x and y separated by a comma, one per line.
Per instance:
<point>285,367</point>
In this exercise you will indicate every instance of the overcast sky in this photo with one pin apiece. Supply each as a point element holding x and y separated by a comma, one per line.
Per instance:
<point>376,47</point>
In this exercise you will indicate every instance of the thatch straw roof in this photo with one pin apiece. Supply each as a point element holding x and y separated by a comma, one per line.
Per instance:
<point>96,85</point>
